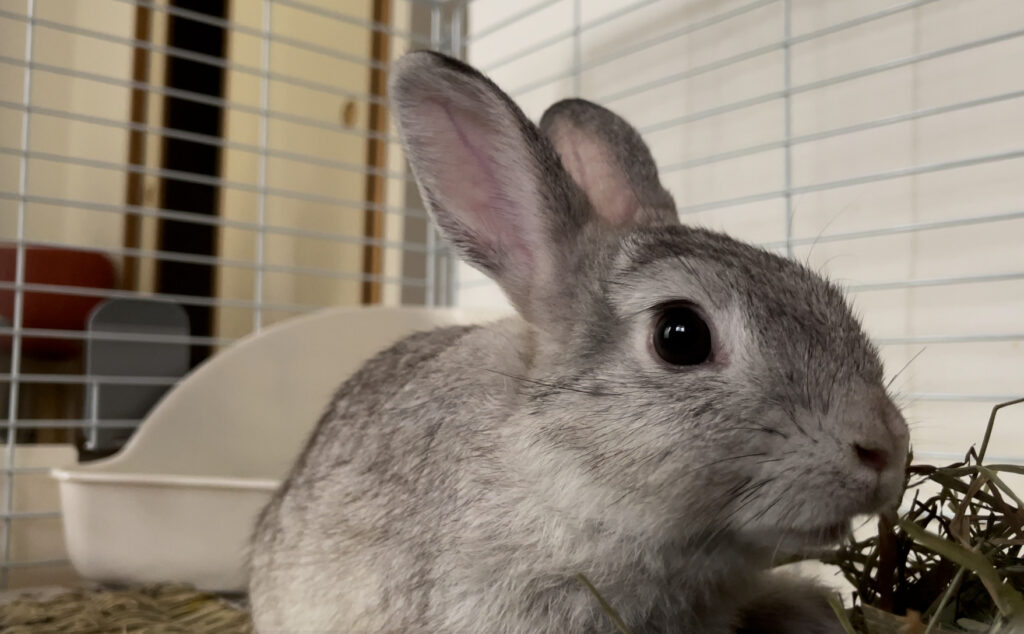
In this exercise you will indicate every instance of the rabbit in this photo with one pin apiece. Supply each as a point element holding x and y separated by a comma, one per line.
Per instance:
<point>667,410</point>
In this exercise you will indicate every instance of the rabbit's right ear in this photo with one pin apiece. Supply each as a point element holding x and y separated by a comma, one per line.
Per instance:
<point>610,162</point>
<point>492,182</point>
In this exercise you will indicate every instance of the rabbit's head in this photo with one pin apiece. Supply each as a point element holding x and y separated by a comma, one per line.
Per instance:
<point>677,382</point>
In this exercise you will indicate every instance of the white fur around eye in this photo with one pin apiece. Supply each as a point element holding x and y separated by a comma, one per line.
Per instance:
<point>671,280</point>
<point>731,348</point>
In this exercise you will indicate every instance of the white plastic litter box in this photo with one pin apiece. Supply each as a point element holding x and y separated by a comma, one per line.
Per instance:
<point>178,502</point>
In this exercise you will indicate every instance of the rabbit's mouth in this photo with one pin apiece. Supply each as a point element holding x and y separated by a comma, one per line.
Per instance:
<point>799,539</point>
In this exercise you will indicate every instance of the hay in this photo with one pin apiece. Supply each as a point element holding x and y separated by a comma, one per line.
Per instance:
<point>165,608</point>
<point>954,560</point>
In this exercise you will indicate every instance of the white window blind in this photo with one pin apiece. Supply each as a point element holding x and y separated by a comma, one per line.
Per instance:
<point>882,142</point>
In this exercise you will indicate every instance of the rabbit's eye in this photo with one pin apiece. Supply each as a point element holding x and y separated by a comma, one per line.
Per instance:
<point>681,337</point>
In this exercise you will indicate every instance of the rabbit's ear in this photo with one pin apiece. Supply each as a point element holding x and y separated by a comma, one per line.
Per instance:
<point>610,162</point>
<point>490,179</point>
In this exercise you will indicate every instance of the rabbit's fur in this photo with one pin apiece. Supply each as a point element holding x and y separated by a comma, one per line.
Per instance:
<point>463,478</point>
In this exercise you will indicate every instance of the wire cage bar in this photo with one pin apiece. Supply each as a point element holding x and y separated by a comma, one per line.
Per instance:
<point>87,129</point>
<point>878,142</point>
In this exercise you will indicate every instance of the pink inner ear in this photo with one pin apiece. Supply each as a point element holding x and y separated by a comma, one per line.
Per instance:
<point>484,183</point>
<point>597,174</point>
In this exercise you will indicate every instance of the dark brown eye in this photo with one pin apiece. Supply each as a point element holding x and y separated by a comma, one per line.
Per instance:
<point>682,337</point>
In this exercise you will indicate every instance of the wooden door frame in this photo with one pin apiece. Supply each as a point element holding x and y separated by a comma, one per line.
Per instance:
<point>376,155</point>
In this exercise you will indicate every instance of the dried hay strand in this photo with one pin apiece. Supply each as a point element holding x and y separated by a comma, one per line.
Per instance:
<point>158,609</point>
<point>952,562</point>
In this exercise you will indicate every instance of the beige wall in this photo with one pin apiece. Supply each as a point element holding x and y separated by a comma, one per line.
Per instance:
<point>334,263</point>
<point>338,143</point>
<point>54,135</point>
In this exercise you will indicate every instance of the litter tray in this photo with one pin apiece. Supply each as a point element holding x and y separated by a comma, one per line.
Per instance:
<point>178,502</point>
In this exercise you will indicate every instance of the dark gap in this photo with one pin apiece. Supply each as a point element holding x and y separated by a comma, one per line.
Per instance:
<point>195,158</point>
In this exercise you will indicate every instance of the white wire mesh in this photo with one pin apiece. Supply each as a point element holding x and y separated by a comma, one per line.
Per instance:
<point>290,218</point>
<point>880,141</point>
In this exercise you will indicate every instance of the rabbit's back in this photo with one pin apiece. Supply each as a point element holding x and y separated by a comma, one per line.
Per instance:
<point>356,521</point>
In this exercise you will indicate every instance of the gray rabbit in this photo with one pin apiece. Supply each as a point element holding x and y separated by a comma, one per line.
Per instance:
<point>669,410</point>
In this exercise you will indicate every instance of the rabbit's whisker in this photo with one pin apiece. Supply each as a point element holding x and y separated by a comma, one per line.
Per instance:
<point>723,524</point>
<point>829,394</point>
<point>749,494</point>
<point>903,369</point>
<point>739,487</point>
<point>745,493</point>
<point>760,514</point>
<point>792,419</point>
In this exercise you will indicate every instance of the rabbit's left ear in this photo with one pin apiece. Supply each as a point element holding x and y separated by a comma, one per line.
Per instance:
<point>490,179</point>
<point>610,162</point>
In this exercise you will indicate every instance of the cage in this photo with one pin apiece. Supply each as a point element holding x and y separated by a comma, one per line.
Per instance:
<point>176,176</point>
<point>230,165</point>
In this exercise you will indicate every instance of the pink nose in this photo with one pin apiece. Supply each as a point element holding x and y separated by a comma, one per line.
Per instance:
<point>877,459</point>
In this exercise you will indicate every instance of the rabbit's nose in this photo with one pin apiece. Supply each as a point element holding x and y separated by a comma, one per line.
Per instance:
<point>874,457</point>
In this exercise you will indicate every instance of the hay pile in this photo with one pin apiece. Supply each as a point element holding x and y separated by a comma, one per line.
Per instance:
<point>163,609</point>
<point>952,562</point>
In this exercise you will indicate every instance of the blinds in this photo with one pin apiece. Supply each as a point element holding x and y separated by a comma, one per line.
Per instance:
<point>879,141</point>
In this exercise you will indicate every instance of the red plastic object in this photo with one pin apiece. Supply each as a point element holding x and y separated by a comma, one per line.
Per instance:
<point>60,311</point>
